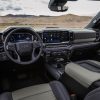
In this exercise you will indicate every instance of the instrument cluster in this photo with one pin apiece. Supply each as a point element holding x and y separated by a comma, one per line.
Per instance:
<point>17,37</point>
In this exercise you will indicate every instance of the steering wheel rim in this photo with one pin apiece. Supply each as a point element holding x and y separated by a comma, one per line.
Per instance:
<point>31,43</point>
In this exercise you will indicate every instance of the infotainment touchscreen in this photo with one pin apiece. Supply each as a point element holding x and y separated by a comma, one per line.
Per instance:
<point>55,36</point>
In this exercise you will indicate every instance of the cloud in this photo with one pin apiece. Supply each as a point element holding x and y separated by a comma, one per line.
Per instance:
<point>11,7</point>
<point>40,7</point>
<point>17,8</point>
<point>1,9</point>
<point>44,2</point>
<point>8,5</point>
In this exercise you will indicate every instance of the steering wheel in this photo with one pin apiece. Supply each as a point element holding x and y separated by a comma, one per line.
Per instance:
<point>24,48</point>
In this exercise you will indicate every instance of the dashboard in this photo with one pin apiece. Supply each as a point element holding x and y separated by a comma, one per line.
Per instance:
<point>57,42</point>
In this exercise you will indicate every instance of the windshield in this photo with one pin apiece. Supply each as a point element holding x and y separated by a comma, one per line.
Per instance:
<point>35,13</point>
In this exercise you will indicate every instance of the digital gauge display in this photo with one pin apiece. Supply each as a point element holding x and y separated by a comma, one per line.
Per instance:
<point>20,37</point>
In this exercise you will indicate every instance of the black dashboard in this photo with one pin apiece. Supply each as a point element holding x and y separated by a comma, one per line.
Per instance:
<point>57,42</point>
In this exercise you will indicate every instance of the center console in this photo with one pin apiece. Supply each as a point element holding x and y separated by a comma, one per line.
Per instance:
<point>56,43</point>
<point>55,53</point>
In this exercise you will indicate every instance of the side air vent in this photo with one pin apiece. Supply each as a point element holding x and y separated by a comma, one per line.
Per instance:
<point>71,37</point>
<point>97,36</point>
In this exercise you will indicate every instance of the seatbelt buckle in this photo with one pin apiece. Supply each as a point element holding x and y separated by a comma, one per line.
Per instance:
<point>73,96</point>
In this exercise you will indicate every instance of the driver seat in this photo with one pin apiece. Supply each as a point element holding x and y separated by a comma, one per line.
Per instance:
<point>50,91</point>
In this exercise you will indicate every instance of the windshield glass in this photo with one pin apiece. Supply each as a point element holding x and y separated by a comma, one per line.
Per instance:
<point>35,13</point>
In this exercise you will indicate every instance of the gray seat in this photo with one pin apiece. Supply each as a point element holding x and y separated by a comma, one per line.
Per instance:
<point>84,72</point>
<point>51,91</point>
<point>93,95</point>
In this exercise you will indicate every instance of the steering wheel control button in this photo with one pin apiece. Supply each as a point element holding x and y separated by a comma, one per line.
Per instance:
<point>10,46</point>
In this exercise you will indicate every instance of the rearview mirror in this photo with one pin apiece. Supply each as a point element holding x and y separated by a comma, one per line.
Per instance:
<point>58,5</point>
<point>58,8</point>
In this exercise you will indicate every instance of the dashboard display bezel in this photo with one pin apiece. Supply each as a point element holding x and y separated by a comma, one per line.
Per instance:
<point>57,39</point>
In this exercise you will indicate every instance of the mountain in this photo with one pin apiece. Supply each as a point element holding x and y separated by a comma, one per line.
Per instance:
<point>19,15</point>
<point>67,21</point>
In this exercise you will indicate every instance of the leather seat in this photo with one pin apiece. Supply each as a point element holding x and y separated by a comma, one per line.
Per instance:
<point>85,72</point>
<point>93,95</point>
<point>51,91</point>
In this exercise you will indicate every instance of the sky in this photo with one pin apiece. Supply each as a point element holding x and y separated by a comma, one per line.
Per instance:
<point>40,7</point>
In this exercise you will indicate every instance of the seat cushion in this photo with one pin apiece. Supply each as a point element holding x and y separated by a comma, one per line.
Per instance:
<point>93,95</point>
<point>83,72</point>
<point>39,92</point>
<point>6,96</point>
<point>52,91</point>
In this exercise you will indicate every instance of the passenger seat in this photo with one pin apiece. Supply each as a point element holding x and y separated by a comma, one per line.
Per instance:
<point>82,76</point>
<point>85,72</point>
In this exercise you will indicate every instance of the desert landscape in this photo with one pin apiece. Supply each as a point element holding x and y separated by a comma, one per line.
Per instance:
<point>65,21</point>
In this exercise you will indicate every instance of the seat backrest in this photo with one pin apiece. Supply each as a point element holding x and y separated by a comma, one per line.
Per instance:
<point>93,95</point>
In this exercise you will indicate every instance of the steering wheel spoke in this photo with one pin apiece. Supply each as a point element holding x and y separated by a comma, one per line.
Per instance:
<point>10,46</point>
<point>18,57</point>
<point>36,44</point>
<point>33,54</point>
